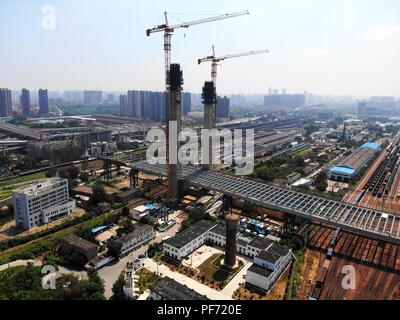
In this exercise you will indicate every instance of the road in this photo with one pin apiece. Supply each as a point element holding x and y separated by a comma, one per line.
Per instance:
<point>111,272</point>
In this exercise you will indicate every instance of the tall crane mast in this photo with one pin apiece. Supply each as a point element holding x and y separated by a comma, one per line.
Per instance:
<point>215,60</point>
<point>169,30</point>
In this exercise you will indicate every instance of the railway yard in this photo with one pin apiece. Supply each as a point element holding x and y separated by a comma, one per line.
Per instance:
<point>376,263</point>
<point>380,187</point>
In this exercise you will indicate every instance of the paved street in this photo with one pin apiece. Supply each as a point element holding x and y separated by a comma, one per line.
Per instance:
<point>182,279</point>
<point>111,272</point>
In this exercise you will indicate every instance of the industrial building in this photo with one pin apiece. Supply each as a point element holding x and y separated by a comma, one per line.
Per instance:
<point>140,235</point>
<point>73,243</point>
<point>42,202</point>
<point>169,289</point>
<point>271,141</point>
<point>346,169</point>
<point>55,151</point>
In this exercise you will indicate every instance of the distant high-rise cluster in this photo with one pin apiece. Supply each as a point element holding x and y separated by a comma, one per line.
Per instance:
<point>284,100</point>
<point>143,104</point>
<point>149,104</point>
<point>43,102</point>
<point>25,102</point>
<point>5,103</point>
<point>223,106</point>
<point>92,97</point>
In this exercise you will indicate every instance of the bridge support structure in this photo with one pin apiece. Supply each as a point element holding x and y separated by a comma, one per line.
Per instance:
<point>173,128</point>
<point>134,178</point>
<point>107,167</point>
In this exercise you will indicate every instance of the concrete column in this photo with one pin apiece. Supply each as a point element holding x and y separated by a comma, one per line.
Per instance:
<point>209,99</point>
<point>173,117</point>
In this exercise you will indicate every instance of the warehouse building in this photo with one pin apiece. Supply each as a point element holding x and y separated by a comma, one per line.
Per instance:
<point>140,235</point>
<point>352,165</point>
<point>73,243</point>
<point>42,202</point>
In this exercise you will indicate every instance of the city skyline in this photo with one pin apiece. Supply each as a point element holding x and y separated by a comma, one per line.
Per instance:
<point>352,51</point>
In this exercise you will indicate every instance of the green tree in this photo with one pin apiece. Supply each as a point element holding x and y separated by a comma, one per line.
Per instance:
<point>125,211</point>
<point>118,289</point>
<point>126,228</point>
<point>114,249</point>
<point>51,172</point>
<point>99,195</point>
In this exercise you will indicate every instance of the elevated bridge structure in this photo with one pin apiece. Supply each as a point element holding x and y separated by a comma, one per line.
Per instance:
<point>367,222</point>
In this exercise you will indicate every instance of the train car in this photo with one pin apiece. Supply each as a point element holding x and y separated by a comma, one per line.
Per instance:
<point>329,254</point>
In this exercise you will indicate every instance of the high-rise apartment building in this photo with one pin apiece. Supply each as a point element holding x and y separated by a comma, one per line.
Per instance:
<point>186,103</point>
<point>42,202</point>
<point>5,103</point>
<point>43,102</point>
<point>123,105</point>
<point>223,106</point>
<point>25,102</point>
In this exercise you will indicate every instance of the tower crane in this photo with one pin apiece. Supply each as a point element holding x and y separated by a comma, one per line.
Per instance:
<point>169,30</point>
<point>215,60</point>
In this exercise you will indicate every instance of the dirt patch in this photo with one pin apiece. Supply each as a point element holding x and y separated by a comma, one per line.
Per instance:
<point>309,274</point>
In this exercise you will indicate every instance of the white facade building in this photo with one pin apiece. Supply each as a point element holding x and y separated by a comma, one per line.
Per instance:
<point>42,202</point>
<point>270,258</point>
<point>268,266</point>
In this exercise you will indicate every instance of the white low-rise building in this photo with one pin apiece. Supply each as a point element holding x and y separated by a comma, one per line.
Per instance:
<point>268,266</point>
<point>42,202</point>
<point>270,258</point>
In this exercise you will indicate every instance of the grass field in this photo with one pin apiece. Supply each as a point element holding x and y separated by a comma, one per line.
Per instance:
<point>44,244</point>
<point>5,193</point>
<point>35,176</point>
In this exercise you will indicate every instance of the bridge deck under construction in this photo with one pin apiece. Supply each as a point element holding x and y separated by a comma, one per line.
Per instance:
<point>364,221</point>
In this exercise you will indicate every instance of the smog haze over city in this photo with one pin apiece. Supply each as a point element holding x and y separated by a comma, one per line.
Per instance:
<point>343,47</point>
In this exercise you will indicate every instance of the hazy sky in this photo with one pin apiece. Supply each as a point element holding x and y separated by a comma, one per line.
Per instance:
<point>326,47</point>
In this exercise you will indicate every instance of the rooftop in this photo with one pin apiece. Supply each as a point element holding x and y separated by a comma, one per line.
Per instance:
<point>260,243</point>
<point>372,145</point>
<point>273,253</point>
<point>260,270</point>
<point>169,289</point>
<point>41,185</point>
<point>344,170</point>
<point>75,241</point>
<point>358,158</point>
<point>219,229</point>
<point>188,235</point>
<point>138,230</point>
